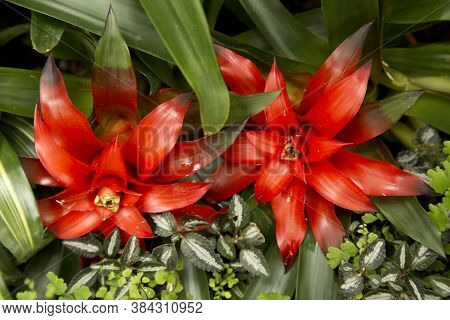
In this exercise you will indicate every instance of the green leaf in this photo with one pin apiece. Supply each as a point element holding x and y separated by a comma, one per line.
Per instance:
<point>315,279</point>
<point>225,246</point>
<point>353,285</point>
<point>254,262</point>
<point>160,68</point>
<point>4,292</point>
<point>183,28</point>
<point>123,290</point>
<point>432,109</point>
<point>286,34</point>
<point>82,293</point>
<point>21,230</point>
<point>403,256</point>
<point>8,34</point>
<point>111,245</point>
<point>378,295</point>
<point>251,235</point>
<point>106,265</point>
<point>195,282</point>
<point>440,285</point>
<point>272,296</point>
<point>49,259</point>
<point>191,223</point>
<point>19,91</point>
<point>278,280</point>
<point>369,218</point>
<point>85,277</point>
<point>242,107</point>
<point>46,32</point>
<point>56,286</point>
<point>200,252</point>
<point>390,275</point>
<point>422,257</point>
<point>131,252</point>
<point>86,246</point>
<point>405,213</point>
<point>8,270</point>
<point>335,256</point>
<point>91,16</point>
<point>426,60</point>
<point>415,288</point>
<point>20,134</point>
<point>408,216</point>
<point>167,254</point>
<point>373,255</point>
<point>342,25</point>
<point>165,224</point>
<point>414,11</point>
<point>237,212</point>
<point>311,19</point>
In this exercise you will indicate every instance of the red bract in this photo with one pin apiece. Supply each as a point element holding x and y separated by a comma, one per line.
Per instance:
<point>106,178</point>
<point>296,161</point>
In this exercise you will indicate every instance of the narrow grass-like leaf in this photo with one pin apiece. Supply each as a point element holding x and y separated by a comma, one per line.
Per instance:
<point>8,269</point>
<point>286,34</point>
<point>315,279</point>
<point>195,282</point>
<point>277,281</point>
<point>183,28</point>
<point>91,15</point>
<point>19,91</point>
<point>46,32</point>
<point>8,34</point>
<point>21,230</point>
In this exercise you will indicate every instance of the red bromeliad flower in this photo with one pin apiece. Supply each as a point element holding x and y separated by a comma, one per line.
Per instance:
<point>106,176</point>
<point>298,159</point>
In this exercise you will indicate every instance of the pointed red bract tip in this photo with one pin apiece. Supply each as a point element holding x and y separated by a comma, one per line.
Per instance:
<point>340,64</point>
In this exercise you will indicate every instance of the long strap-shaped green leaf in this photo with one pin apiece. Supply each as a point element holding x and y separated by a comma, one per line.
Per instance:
<point>195,282</point>
<point>315,279</point>
<point>286,34</point>
<point>20,134</point>
<point>8,270</point>
<point>183,28</point>
<point>19,91</point>
<point>21,230</point>
<point>4,292</point>
<point>90,15</point>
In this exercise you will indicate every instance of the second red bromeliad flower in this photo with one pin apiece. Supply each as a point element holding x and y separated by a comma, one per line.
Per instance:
<point>298,158</point>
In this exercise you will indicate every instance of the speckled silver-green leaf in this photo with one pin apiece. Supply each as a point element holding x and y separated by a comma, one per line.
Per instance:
<point>86,246</point>
<point>85,277</point>
<point>165,224</point>
<point>111,245</point>
<point>252,235</point>
<point>254,262</point>
<point>422,257</point>
<point>131,252</point>
<point>403,256</point>
<point>373,255</point>
<point>200,252</point>
<point>226,248</point>
<point>167,254</point>
<point>353,285</point>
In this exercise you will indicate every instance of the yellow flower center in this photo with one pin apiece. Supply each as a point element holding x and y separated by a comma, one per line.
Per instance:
<point>108,199</point>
